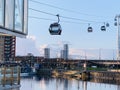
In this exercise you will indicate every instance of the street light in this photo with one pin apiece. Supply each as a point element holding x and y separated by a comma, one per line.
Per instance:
<point>99,53</point>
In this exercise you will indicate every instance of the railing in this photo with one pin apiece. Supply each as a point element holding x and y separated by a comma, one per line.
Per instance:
<point>9,75</point>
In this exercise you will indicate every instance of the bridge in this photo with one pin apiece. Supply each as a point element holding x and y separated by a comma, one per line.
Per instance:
<point>57,62</point>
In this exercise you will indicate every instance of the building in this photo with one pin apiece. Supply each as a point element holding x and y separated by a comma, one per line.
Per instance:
<point>13,22</point>
<point>47,53</point>
<point>62,53</point>
<point>7,47</point>
<point>65,52</point>
<point>28,59</point>
<point>14,17</point>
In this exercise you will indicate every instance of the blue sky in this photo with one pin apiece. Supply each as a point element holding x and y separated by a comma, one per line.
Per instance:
<point>74,34</point>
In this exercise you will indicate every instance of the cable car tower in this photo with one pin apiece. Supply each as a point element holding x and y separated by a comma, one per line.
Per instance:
<point>55,28</point>
<point>117,23</point>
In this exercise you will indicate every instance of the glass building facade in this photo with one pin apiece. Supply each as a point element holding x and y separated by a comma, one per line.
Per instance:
<point>1,12</point>
<point>14,16</point>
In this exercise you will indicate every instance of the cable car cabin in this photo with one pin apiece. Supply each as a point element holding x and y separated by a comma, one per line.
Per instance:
<point>107,24</point>
<point>115,23</point>
<point>90,29</point>
<point>103,28</point>
<point>55,29</point>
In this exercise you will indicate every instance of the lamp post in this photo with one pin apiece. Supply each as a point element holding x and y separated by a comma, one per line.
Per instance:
<point>85,64</point>
<point>113,54</point>
<point>99,53</point>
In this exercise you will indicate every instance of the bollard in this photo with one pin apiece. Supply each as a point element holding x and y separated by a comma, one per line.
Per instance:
<point>85,76</point>
<point>4,76</point>
<point>12,76</point>
<point>18,72</point>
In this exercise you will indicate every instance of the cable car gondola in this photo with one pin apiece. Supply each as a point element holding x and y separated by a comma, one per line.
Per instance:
<point>90,29</point>
<point>55,28</point>
<point>115,23</point>
<point>103,28</point>
<point>107,24</point>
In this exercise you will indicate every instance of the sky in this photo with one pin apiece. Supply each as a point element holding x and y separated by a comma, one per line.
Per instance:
<point>74,32</point>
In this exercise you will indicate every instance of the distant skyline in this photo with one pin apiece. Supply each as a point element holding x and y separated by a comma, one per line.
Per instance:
<point>28,45</point>
<point>74,34</point>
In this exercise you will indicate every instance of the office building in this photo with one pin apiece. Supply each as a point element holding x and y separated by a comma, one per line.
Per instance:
<point>62,53</point>
<point>47,53</point>
<point>65,52</point>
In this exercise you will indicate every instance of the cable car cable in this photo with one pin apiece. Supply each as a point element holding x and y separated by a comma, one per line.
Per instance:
<point>79,19</point>
<point>42,12</point>
<point>90,29</point>
<point>63,16</point>
<point>67,10</point>
<point>55,20</point>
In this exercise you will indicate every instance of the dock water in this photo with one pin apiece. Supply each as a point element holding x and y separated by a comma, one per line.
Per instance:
<point>84,75</point>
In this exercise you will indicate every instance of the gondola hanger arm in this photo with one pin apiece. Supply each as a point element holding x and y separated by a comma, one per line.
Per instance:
<point>58,17</point>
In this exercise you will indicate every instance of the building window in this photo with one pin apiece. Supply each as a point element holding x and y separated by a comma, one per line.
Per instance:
<point>19,15</point>
<point>14,16</point>
<point>25,16</point>
<point>1,12</point>
<point>9,14</point>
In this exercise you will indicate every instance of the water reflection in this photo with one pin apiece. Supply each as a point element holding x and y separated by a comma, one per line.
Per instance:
<point>50,83</point>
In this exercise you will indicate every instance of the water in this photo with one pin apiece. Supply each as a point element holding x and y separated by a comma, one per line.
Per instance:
<point>33,83</point>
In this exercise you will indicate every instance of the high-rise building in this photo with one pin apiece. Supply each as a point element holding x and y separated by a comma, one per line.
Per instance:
<point>47,53</point>
<point>64,52</point>
<point>7,47</point>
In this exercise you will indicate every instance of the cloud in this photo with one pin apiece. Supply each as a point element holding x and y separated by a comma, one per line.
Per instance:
<point>26,45</point>
<point>31,37</point>
<point>78,53</point>
<point>42,47</point>
<point>92,53</point>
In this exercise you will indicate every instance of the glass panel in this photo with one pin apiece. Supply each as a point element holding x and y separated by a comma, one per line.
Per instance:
<point>1,12</point>
<point>19,15</point>
<point>9,12</point>
<point>26,16</point>
<point>55,28</point>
